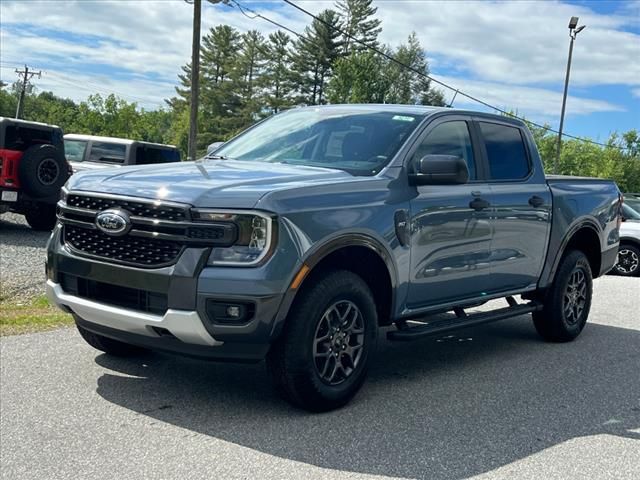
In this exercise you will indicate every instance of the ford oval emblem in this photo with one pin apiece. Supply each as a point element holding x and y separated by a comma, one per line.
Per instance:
<point>114,222</point>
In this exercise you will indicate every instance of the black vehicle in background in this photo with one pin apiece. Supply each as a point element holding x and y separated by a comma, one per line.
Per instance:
<point>85,152</point>
<point>33,168</point>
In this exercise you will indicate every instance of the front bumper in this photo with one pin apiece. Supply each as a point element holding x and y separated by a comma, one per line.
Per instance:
<point>184,325</point>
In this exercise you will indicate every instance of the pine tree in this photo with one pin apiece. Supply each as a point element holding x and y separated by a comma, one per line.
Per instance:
<point>221,102</point>
<point>249,69</point>
<point>277,79</point>
<point>315,55</point>
<point>357,21</point>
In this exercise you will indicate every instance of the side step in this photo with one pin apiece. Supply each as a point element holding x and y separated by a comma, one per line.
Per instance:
<point>463,320</point>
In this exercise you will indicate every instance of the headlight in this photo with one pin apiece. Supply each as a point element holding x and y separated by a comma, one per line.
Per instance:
<point>254,241</point>
<point>63,194</point>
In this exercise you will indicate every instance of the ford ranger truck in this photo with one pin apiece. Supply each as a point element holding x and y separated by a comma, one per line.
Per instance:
<point>302,237</point>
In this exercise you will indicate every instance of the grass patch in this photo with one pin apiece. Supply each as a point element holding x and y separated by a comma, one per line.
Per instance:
<point>36,315</point>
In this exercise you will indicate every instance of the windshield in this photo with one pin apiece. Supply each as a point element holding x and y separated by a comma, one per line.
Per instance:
<point>74,150</point>
<point>360,141</point>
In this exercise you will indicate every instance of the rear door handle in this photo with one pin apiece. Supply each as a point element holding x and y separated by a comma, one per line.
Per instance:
<point>536,201</point>
<point>479,204</point>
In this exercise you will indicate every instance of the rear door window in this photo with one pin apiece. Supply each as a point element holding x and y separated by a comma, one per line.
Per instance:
<point>104,152</point>
<point>506,152</point>
<point>148,155</point>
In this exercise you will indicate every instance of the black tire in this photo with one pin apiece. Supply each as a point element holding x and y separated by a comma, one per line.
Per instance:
<point>108,345</point>
<point>43,170</point>
<point>568,301</point>
<point>298,371</point>
<point>628,264</point>
<point>41,217</point>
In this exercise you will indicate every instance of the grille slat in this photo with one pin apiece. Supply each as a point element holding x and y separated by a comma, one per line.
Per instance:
<point>135,208</point>
<point>138,251</point>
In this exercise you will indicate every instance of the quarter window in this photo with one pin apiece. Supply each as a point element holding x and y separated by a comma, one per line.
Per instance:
<point>506,151</point>
<point>449,138</point>
<point>107,152</point>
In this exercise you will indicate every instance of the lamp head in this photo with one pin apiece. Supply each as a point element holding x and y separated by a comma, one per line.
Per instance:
<point>573,23</point>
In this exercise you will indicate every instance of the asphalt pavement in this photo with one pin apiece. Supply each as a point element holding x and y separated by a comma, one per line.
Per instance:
<point>491,402</point>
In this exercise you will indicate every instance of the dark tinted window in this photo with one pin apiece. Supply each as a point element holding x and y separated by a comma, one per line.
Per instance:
<point>146,155</point>
<point>107,152</point>
<point>507,154</point>
<point>450,138</point>
<point>22,137</point>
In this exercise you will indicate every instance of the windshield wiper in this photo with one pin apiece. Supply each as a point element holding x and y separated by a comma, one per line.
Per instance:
<point>213,156</point>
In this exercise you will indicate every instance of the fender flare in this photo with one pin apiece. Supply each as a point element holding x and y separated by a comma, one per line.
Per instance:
<point>315,256</point>
<point>548,273</point>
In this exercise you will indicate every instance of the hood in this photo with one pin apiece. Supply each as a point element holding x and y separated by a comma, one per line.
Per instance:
<point>82,166</point>
<point>208,183</point>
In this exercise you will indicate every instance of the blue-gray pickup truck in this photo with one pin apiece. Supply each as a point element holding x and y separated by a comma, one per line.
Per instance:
<point>301,238</point>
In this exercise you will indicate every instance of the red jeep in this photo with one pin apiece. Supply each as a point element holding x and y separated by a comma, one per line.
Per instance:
<point>33,168</point>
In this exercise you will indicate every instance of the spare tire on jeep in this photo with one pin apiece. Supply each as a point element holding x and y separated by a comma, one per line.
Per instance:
<point>43,170</point>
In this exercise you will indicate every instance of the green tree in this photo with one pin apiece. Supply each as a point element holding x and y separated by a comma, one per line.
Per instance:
<point>357,20</point>
<point>315,56</point>
<point>277,79</point>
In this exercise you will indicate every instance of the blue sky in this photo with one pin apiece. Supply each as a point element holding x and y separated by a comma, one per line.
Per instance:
<point>511,54</point>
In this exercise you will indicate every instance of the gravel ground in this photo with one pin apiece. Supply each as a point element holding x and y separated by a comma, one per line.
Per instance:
<point>493,402</point>
<point>22,257</point>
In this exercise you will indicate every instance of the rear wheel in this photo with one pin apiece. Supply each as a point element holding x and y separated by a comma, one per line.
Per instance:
<point>108,345</point>
<point>41,217</point>
<point>568,301</point>
<point>320,361</point>
<point>628,264</point>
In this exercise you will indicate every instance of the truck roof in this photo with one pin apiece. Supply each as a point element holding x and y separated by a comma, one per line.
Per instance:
<point>121,141</point>
<point>425,110</point>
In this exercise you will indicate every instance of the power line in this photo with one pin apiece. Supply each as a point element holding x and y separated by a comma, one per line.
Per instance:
<point>457,91</point>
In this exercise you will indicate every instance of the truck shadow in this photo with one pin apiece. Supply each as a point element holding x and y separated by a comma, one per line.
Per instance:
<point>444,408</point>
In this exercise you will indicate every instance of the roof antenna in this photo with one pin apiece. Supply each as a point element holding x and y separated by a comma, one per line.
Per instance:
<point>454,97</point>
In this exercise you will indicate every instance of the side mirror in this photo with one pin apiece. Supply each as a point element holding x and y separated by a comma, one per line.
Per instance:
<point>213,147</point>
<point>440,170</point>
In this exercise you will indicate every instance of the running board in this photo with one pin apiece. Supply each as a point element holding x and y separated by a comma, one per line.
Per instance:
<point>463,320</point>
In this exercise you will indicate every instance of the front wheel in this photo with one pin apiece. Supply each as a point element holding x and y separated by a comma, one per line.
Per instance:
<point>320,361</point>
<point>568,301</point>
<point>628,264</point>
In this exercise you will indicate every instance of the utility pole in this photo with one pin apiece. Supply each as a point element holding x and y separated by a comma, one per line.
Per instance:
<point>195,75</point>
<point>195,80</point>
<point>26,76</point>
<point>573,32</point>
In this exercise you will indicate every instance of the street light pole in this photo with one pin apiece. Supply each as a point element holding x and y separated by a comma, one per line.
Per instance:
<point>573,32</point>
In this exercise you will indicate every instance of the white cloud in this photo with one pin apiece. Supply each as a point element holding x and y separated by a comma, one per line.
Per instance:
<point>636,92</point>
<point>529,101</point>
<point>510,53</point>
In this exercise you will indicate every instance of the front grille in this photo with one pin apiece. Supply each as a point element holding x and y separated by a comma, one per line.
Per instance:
<point>108,293</point>
<point>138,251</point>
<point>138,209</point>
<point>158,234</point>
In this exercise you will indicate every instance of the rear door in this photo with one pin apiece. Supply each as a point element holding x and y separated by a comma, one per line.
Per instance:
<point>521,205</point>
<point>450,225</point>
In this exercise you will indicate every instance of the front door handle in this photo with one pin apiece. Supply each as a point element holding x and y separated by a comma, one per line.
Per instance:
<point>479,204</point>
<point>536,201</point>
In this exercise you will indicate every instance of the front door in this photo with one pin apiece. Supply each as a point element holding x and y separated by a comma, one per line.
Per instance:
<point>450,224</point>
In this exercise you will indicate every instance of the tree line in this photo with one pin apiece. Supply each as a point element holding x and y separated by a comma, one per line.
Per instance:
<point>245,77</point>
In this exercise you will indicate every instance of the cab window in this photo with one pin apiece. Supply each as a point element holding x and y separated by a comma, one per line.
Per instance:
<point>449,138</point>
<point>506,152</point>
